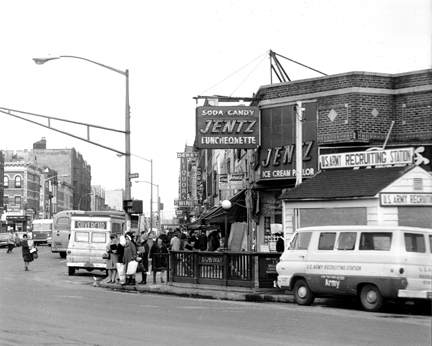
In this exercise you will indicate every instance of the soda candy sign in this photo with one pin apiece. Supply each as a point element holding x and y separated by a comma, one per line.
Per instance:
<point>227,127</point>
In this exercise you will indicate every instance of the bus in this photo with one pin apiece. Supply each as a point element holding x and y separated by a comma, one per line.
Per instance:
<point>90,235</point>
<point>61,228</point>
<point>42,230</point>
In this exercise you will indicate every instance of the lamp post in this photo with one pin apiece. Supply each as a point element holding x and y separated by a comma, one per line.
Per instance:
<point>151,202</point>
<point>45,181</point>
<point>40,61</point>
<point>79,202</point>
<point>226,206</point>
<point>151,182</point>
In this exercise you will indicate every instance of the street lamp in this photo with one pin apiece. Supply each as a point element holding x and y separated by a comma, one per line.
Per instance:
<point>226,206</point>
<point>79,202</point>
<point>151,182</point>
<point>44,185</point>
<point>40,61</point>
<point>151,202</point>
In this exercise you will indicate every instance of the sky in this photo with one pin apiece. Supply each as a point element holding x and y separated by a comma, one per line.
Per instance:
<point>176,50</point>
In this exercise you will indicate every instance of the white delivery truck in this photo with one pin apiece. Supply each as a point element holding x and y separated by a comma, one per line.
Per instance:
<point>372,262</point>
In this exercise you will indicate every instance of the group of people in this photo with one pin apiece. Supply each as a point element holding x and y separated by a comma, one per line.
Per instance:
<point>130,254</point>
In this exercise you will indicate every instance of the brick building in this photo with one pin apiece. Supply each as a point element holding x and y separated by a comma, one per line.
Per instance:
<point>75,171</point>
<point>348,112</point>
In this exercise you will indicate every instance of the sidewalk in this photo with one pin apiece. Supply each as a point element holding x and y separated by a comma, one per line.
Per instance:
<point>204,291</point>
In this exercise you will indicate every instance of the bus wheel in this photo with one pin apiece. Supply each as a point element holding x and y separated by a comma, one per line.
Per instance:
<point>371,298</point>
<point>62,254</point>
<point>302,293</point>
<point>71,271</point>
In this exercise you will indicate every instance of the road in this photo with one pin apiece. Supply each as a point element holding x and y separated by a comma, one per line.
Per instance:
<point>45,306</point>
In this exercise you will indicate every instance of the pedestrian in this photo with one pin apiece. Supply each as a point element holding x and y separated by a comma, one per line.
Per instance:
<point>201,243</point>
<point>26,245</point>
<point>111,263</point>
<point>129,255</point>
<point>159,262</point>
<point>11,241</point>
<point>143,253</point>
<point>280,243</point>
<point>214,241</point>
<point>175,243</point>
<point>120,266</point>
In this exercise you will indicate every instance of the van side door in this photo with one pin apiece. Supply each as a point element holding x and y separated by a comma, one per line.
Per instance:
<point>297,255</point>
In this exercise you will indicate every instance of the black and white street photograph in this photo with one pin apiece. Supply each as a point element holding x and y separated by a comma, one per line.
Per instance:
<point>216,172</point>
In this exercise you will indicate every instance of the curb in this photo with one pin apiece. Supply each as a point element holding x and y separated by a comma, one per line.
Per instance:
<point>201,293</point>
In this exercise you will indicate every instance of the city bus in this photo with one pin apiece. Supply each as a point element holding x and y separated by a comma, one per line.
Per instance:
<point>42,230</point>
<point>89,237</point>
<point>61,228</point>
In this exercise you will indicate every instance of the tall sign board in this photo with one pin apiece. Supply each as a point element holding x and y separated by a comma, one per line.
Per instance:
<point>226,127</point>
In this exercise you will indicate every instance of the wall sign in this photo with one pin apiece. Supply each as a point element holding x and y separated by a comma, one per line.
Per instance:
<point>225,127</point>
<point>400,156</point>
<point>406,199</point>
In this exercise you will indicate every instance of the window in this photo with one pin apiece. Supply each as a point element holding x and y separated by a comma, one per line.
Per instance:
<point>301,241</point>
<point>99,237</point>
<point>6,181</point>
<point>5,200</point>
<point>326,241</point>
<point>63,223</point>
<point>347,241</point>
<point>82,237</point>
<point>415,242</point>
<point>116,228</point>
<point>18,200</point>
<point>17,181</point>
<point>375,241</point>
<point>430,243</point>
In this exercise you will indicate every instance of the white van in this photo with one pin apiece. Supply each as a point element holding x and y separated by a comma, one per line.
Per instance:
<point>90,234</point>
<point>372,262</point>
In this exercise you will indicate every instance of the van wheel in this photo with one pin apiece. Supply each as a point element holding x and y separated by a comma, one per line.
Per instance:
<point>371,298</point>
<point>71,271</point>
<point>302,293</point>
<point>62,254</point>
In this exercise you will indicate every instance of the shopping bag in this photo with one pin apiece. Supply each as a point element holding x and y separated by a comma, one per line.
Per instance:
<point>32,250</point>
<point>121,272</point>
<point>132,267</point>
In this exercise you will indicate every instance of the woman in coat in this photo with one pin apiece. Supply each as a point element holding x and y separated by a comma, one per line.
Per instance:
<point>130,254</point>
<point>111,263</point>
<point>143,265</point>
<point>27,256</point>
<point>159,263</point>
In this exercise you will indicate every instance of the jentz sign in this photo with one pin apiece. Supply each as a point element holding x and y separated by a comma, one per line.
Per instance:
<point>227,127</point>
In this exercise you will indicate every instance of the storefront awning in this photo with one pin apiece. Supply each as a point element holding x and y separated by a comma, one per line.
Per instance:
<point>237,213</point>
<point>345,183</point>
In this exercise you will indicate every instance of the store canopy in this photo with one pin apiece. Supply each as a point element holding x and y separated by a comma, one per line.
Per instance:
<point>237,213</point>
<point>345,183</point>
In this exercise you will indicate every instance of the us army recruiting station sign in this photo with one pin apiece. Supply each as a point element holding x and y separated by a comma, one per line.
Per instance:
<point>226,127</point>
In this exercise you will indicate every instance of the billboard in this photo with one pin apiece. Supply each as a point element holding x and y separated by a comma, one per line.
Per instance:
<point>227,127</point>
<point>277,154</point>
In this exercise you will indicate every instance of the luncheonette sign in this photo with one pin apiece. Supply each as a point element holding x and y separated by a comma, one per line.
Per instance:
<point>227,127</point>
<point>406,199</point>
<point>367,158</point>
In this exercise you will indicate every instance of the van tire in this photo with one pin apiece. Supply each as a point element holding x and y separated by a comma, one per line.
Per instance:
<point>302,293</point>
<point>63,254</point>
<point>71,271</point>
<point>371,298</point>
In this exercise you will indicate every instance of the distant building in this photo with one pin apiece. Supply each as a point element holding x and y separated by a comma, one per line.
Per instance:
<point>114,199</point>
<point>74,170</point>
<point>97,198</point>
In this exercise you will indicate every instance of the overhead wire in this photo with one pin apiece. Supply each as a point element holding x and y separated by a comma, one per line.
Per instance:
<point>248,75</point>
<point>266,52</point>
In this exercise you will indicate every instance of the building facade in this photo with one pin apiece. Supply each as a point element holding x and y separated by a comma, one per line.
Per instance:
<point>349,112</point>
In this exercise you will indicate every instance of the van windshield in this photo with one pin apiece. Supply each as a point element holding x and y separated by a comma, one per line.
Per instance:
<point>301,241</point>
